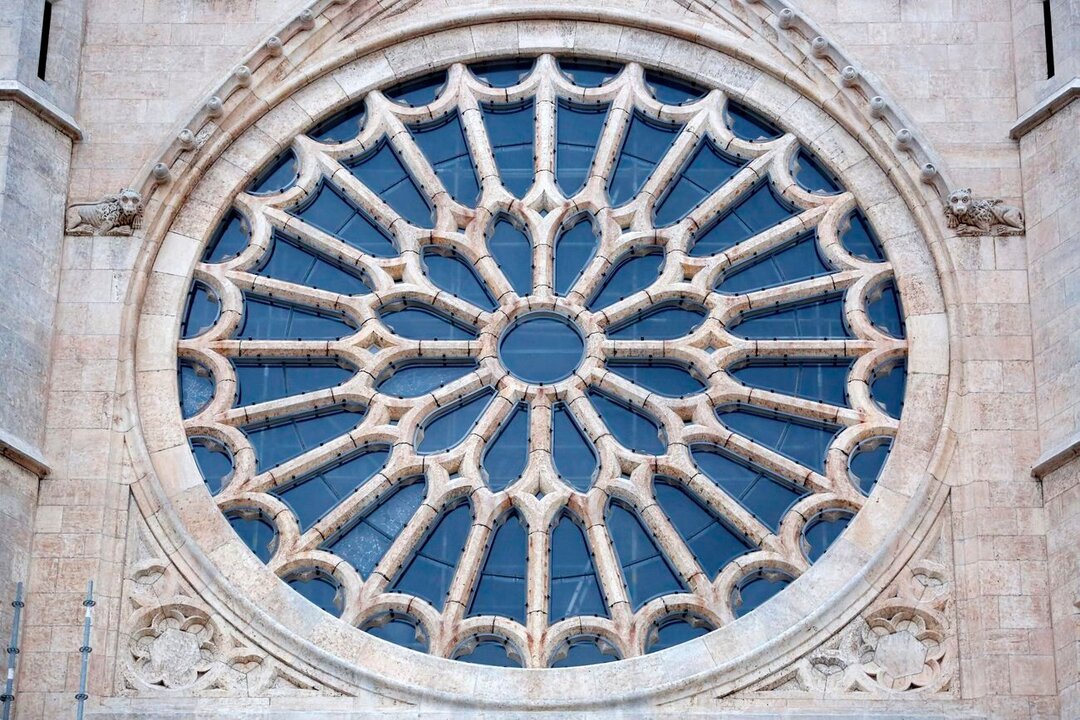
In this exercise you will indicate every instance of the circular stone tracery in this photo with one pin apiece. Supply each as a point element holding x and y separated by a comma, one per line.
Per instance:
<point>541,348</point>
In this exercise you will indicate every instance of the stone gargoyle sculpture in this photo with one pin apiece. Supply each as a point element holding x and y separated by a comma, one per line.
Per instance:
<point>970,216</point>
<point>119,214</point>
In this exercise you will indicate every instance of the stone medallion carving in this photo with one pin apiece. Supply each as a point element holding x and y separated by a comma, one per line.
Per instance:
<point>175,648</point>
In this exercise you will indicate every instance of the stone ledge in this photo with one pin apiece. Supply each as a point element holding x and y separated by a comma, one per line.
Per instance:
<point>15,91</point>
<point>23,454</point>
<point>1057,456</point>
<point>1039,114</point>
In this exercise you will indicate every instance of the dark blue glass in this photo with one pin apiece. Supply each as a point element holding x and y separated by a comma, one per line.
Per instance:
<point>278,175</point>
<point>501,588</point>
<point>422,322</point>
<point>214,461</point>
<point>312,496</point>
<point>633,428</point>
<point>196,387</point>
<point>574,249</point>
<point>583,651</point>
<point>340,126</point>
<point>418,91</point>
<point>490,652</point>
<point>202,311</point>
<point>510,129</point>
<point>575,588</point>
<point>443,144</point>
<point>884,311</point>
<point>229,239</point>
<point>319,589</point>
<point>823,380</point>
<point>708,169</point>
<point>263,379</point>
<point>859,239</point>
<point>812,175</point>
<point>503,73</point>
<point>541,348</point>
<point>286,438</point>
<point>867,461</point>
<point>748,125</point>
<point>635,271</point>
<point>450,272</point>
<point>364,544</point>
<point>823,530</point>
<point>256,530</point>
<point>331,211</point>
<point>413,379</point>
<point>449,427</point>
<point>401,630</point>
<point>803,441</point>
<point>674,630</point>
<point>578,129</point>
<point>765,495</point>
<point>646,142</point>
<point>813,319</point>
<point>291,261</point>
<point>756,588</point>
<point>713,542</point>
<point>431,570</point>
<point>887,388</point>
<point>798,260</point>
<point>670,91</point>
<point>508,454</point>
<point>664,321</point>
<point>645,569</point>
<point>664,377</point>
<point>266,319</point>
<point>512,250</point>
<point>589,73</point>
<point>759,209</point>
<point>382,171</point>
<point>573,454</point>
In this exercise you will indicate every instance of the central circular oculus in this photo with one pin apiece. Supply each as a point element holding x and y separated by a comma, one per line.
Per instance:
<point>542,348</point>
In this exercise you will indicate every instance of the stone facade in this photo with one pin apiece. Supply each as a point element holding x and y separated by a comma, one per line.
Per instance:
<point>969,612</point>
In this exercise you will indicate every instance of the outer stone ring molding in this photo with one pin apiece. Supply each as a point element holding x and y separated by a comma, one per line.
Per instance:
<point>858,566</point>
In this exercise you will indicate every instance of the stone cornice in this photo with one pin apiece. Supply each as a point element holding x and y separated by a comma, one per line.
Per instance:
<point>15,91</point>
<point>1057,456</point>
<point>1037,115</point>
<point>23,454</point>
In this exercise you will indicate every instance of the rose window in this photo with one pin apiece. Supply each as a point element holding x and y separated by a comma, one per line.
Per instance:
<point>543,362</point>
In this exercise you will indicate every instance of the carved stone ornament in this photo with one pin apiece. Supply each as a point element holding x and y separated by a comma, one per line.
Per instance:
<point>119,214</point>
<point>970,216</point>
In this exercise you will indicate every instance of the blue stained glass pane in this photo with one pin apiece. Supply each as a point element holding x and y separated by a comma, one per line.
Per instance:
<point>646,142</point>
<point>562,344</point>
<point>401,630</point>
<point>508,454</point>
<point>867,461</point>
<point>312,496</point>
<point>490,652</point>
<point>713,542</point>
<point>420,378</point>
<point>257,532</point>
<point>754,590</point>
<point>812,175</point>
<point>708,168</point>
<point>262,380</point>
<point>419,91</point>
<point>660,322</point>
<point>859,239</point>
<point>341,126</point>
<point>501,587</point>
<point>443,144</point>
<point>448,428</point>
<point>279,174</point>
<point>292,262</point>
<point>196,387</point>
<point>675,631</point>
<point>266,319</point>
<point>202,311</point>
<point>633,428</point>
<point>801,440</point>
<point>666,378</point>
<point>284,439</point>
<point>822,318</point>
<point>583,651</point>
<point>381,170</point>
<point>512,250</point>
<point>229,239</point>
<point>214,461</point>
<point>887,388</point>
<point>822,531</point>
<point>420,322</point>
<point>577,131</point>
<point>319,589</point>
<point>573,454</point>
<point>635,271</point>
<point>502,73</point>
<point>575,588</point>
<point>821,380</point>
<point>645,570</point>
<point>748,125</point>
<point>670,91</point>
<point>329,210</point>
<point>765,495</point>
<point>449,271</point>
<point>510,130</point>
<point>431,570</point>
<point>589,73</point>
<point>364,544</point>
<point>573,251</point>
<point>884,311</point>
<point>798,260</point>
<point>759,209</point>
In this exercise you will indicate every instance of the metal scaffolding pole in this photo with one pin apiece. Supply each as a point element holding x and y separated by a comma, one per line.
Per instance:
<point>85,651</point>
<point>8,698</point>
